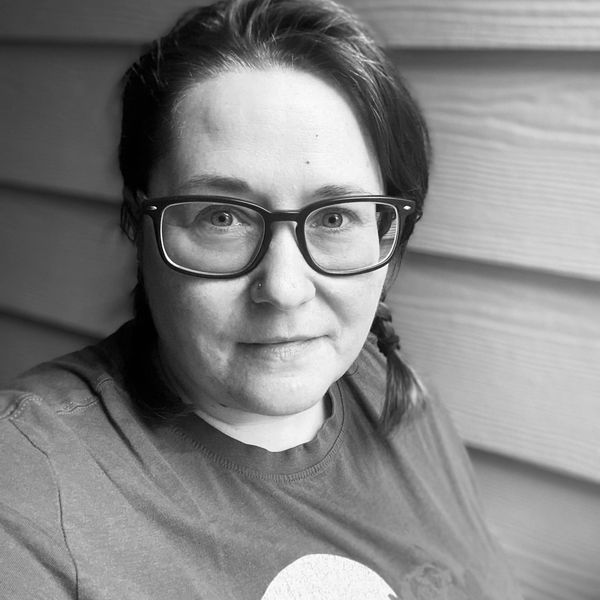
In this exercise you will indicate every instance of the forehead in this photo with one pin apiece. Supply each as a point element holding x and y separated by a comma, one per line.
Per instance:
<point>279,130</point>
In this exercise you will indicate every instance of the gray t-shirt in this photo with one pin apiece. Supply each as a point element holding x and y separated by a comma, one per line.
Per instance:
<point>98,501</point>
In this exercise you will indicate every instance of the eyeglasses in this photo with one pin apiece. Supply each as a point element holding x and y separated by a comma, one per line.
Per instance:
<point>220,237</point>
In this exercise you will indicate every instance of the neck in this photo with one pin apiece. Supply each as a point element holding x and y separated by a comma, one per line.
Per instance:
<point>272,432</point>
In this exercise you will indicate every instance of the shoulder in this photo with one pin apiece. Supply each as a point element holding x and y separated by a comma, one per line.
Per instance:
<point>66,381</point>
<point>37,412</point>
<point>39,408</point>
<point>425,442</point>
<point>367,380</point>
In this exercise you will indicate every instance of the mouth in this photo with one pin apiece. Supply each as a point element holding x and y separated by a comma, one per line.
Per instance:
<point>281,348</point>
<point>282,340</point>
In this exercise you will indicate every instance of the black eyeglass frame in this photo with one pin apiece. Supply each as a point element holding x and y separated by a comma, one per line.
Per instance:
<point>155,207</point>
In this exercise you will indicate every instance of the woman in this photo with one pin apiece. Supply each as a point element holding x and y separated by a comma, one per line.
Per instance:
<point>241,439</point>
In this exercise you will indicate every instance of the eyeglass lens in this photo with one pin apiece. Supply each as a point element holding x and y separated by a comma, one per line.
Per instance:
<point>221,238</point>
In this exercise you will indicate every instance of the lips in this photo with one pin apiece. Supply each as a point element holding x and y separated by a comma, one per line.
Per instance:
<point>283,340</point>
<point>281,348</point>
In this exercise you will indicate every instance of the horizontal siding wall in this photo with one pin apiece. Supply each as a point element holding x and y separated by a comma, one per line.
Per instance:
<point>498,303</point>
<point>512,353</point>
<point>548,523</point>
<point>75,269</point>
<point>495,24</point>
<point>517,157</point>
<point>26,342</point>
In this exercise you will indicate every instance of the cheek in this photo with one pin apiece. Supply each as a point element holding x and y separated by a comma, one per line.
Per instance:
<point>175,299</point>
<point>163,287</point>
<point>358,303</point>
<point>188,312</point>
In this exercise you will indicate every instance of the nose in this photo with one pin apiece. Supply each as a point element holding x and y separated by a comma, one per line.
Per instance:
<point>283,278</point>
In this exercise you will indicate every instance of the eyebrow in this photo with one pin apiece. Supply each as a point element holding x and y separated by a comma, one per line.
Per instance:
<point>235,185</point>
<point>332,191</point>
<point>231,185</point>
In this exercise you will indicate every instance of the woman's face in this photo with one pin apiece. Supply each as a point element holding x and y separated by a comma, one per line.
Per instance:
<point>282,139</point>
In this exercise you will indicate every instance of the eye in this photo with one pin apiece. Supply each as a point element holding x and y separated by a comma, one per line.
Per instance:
<point>336,218</point>
<point>221,218</point>
<point>332,219</point>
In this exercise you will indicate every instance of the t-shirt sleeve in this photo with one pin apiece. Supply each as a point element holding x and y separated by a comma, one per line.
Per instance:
<point>34,559</point>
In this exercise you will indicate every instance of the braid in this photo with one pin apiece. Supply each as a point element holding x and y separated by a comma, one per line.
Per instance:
<point>404,390</point>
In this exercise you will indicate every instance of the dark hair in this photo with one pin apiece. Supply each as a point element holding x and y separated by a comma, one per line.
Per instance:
<point>317,36</point>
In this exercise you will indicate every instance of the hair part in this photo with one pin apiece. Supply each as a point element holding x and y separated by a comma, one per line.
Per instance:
<point>316,36</point>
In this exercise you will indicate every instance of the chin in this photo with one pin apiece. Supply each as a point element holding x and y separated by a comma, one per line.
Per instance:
<point>281,397</point>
